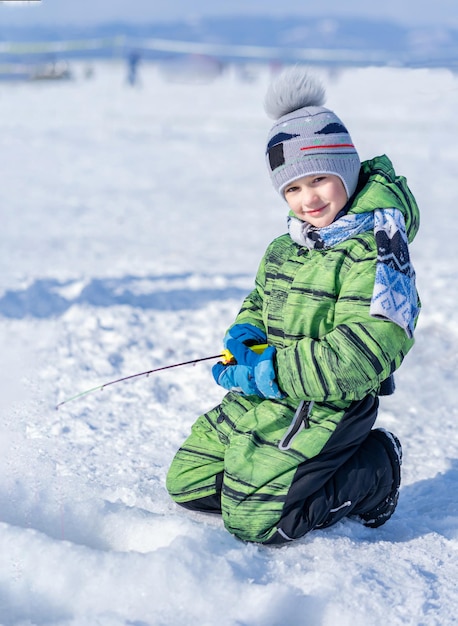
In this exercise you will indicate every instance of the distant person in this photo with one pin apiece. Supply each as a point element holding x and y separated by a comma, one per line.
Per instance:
<point>88,72</point>
<point>291,447</point>
<point>133,61</point>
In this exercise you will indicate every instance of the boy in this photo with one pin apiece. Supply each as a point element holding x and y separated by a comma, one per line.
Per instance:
<point>291,447</point>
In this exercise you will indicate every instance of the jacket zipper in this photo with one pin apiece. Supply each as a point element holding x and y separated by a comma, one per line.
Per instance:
<point>298,423</point>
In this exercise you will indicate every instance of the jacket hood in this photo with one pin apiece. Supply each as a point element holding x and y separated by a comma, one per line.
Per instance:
<point>380,188</point>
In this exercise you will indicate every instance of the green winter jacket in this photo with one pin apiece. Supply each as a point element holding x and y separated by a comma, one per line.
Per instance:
<point>314,307</point>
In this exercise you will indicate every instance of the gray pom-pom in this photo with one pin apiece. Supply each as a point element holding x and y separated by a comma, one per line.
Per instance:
<point>293,89</point>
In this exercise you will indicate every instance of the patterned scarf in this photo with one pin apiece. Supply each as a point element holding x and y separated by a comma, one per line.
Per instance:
<point>394,296</point>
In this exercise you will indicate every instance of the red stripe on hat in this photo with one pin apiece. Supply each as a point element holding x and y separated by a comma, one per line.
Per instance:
<point>334,145</point>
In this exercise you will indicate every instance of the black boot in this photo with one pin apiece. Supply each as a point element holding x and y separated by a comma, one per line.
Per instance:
<point>383,511</point>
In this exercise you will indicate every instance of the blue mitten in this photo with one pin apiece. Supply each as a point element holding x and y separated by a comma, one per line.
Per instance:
<point>253,374</point>
<point>238,378</point>
<point>246,333</point>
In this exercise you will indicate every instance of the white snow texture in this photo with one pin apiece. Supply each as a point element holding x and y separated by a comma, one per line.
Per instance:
<point>133,220</point>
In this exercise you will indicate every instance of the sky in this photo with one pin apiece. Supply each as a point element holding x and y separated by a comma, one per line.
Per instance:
<point>89,12</point>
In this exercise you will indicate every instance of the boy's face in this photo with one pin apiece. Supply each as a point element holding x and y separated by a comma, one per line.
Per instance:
<point>316,199</point>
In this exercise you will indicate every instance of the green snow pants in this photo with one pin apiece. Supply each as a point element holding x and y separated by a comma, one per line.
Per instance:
<point>234,466</point>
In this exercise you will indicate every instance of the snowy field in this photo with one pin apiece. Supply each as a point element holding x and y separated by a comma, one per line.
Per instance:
<point>132,223</point>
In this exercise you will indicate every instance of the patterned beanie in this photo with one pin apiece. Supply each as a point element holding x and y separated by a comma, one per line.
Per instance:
<point>307,138</point>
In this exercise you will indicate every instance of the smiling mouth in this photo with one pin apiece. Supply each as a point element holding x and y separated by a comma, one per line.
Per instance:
<point>315,211</point>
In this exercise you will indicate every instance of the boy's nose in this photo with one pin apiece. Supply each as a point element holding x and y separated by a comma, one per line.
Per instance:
<point>309,198</point>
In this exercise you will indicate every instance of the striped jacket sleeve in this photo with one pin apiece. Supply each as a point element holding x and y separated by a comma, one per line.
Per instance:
<point>353,358</point>
<point>251,311</point>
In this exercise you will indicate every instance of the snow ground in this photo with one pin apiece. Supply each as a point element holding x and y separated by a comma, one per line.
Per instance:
<point>132,224</point>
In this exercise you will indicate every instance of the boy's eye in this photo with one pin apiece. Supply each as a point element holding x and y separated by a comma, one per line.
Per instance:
<point>291,189</point>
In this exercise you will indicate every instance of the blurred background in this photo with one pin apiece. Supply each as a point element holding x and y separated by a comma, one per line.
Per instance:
<point>44,39</point>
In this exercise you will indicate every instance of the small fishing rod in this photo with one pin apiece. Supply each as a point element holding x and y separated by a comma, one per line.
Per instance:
<point>225,356</point>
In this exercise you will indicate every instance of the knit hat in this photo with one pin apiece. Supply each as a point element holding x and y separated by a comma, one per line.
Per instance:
<point>307,138</point>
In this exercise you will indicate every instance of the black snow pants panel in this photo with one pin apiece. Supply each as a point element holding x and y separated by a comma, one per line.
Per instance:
<point>350,476</point>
